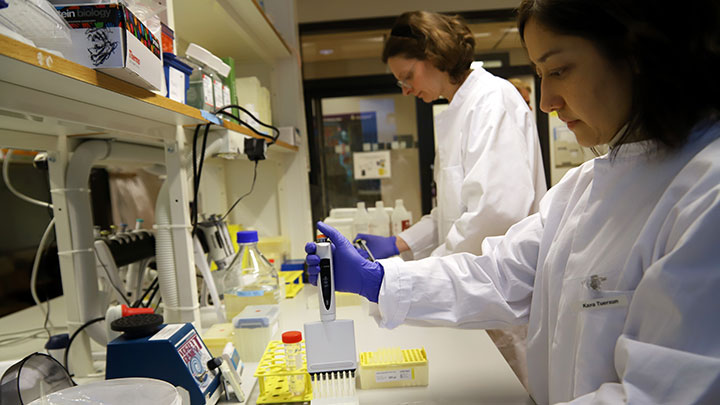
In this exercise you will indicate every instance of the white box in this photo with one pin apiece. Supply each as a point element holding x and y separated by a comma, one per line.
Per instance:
<point>109,38</point>
<point>289,135</point>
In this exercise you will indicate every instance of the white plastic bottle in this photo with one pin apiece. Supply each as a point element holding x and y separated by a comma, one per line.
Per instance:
<point>401,218</point>
<point>361,220</point>
<point>380,220</point>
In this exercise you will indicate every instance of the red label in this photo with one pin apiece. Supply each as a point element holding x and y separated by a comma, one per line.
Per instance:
<point>134,58</point>
<point>405,224</point>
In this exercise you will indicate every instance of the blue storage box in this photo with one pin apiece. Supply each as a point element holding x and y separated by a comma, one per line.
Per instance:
<point>177,77</point>
<point>293,265</point>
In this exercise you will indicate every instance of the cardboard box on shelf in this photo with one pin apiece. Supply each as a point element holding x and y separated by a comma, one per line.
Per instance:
<point>109,38</point>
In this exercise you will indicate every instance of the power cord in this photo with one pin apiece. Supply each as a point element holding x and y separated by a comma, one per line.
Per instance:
<point>72,338</point>
<point>197,171</point>
<point>273,139</point>
<point>110,280</point>
<point>140,300</point>
<point>244,195</point>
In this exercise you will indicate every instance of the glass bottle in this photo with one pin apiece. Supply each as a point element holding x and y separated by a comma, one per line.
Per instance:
<point>250,278</point>
<point>294,361</point>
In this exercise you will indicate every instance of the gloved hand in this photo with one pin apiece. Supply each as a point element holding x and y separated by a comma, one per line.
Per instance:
<point>380,246</point>
<point>351,271</point>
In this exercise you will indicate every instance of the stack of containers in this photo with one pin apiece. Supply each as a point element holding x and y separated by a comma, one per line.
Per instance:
<point>206,85</point>
<point>177,77</point>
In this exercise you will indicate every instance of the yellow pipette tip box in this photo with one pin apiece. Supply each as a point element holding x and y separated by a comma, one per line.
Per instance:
<point>393,367</point>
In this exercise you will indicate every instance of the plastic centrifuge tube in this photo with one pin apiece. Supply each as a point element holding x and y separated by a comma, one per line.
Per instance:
<point>294,361</point>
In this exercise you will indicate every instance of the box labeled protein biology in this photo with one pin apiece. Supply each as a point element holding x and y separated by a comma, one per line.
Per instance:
<point>108,37</point>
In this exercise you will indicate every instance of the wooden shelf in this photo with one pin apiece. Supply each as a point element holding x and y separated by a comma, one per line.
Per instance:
<point>236,28</point>
<point>45,95</point>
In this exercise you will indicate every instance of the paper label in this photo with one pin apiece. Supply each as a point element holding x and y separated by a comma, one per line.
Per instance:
<point>195,356</point>
<point>218,94</point>
<point>208,91</point>
<point>176,90</point>
<point>167,331</point>
<point>226,96</point>
<point>405,374</point>
<point>601,303</point>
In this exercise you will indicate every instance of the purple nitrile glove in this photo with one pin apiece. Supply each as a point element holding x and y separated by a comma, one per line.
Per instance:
<point>381,246</point>
<point>351,271</point>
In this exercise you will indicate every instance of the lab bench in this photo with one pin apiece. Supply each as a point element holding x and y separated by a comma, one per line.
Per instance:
<point>464,365</point>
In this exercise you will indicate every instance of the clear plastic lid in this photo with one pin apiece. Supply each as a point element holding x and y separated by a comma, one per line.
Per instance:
<point>256,316</point>
<point>36,20</point>
<point>120,391</point>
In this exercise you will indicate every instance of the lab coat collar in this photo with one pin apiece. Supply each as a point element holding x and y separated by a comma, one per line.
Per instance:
<point>702,133</point>
<point>466,88</point>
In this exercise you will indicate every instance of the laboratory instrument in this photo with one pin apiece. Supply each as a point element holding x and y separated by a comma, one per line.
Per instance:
<point>232,368</point>
<point>175,353</point>
<point>330,343</point>
<point>362,244</point>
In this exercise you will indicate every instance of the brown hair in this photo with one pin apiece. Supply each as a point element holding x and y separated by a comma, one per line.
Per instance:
<point>444,41</point>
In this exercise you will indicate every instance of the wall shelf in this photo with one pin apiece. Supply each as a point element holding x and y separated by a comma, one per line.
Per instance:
<point>82,102</point>
<point>236,28</point>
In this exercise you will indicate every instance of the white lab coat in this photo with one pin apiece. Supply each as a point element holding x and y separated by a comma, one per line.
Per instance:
<point>488,168</point>
<point>644,231</point>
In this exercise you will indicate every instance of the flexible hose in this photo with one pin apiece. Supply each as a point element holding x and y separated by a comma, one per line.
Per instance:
<point>164,252</point>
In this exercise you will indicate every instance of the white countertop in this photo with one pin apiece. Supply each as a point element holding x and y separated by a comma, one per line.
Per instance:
<point>464,365</point>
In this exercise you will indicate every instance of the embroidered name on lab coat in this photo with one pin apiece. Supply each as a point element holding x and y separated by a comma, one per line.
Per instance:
<point>601,303</point>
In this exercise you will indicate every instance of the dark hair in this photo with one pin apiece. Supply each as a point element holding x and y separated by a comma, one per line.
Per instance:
<point>674,56</point>
<point>445,41</point>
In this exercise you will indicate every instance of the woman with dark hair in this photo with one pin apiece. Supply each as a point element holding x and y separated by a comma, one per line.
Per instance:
<point>617,275</point>
<point>488,165</point>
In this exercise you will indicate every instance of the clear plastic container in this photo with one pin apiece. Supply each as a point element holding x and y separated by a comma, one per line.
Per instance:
<point>119,391</point>
<point>251,279</point>
<point>201,93</point>
<point>254,327</point>
<point>294,361</point>
<point>38,21</point>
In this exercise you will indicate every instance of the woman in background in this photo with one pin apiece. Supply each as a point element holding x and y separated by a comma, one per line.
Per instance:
<point>488,166</point>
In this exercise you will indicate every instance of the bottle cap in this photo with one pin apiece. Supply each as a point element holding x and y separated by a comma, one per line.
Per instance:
<point>247,236</point>
<point>293,336</point>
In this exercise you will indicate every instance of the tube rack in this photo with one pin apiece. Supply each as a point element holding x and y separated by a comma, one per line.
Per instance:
<point>273,377</point>
<point>393,367</point>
